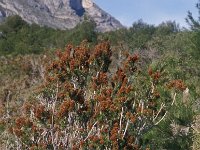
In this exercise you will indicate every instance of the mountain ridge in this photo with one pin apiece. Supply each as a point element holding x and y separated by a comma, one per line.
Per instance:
<point>59,14</point>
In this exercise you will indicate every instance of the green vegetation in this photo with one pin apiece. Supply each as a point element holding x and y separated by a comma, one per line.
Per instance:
<point>141,91</point>
<point>18,37</point>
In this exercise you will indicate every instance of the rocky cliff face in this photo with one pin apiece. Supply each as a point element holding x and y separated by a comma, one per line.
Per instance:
<point>62,14</point>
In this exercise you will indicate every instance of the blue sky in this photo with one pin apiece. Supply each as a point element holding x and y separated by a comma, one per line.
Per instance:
<point>150,11</point>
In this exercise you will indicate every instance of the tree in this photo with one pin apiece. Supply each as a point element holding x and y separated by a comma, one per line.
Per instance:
<point>195,26</point>
<point>139,34</point>
<point>192,22</point>
<point>83,31</point>
<point>167,28</point>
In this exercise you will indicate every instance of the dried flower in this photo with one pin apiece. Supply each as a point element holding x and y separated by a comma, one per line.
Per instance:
<point>177,84</point>
<point>150,71</point>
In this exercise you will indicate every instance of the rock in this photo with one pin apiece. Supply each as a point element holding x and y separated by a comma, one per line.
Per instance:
<point>87,3</point>
<point>59,14</point>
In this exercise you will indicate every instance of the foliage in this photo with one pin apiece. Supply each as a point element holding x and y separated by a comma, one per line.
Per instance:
<point>140,34</point>
<point>18,37</point>
<point>82,105</point>
<point>195,27</point>
<point>194,24</point>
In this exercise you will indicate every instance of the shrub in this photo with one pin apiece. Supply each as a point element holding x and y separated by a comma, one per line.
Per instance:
<point>82,105</point>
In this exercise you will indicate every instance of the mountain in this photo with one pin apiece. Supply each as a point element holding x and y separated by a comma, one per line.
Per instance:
<point>60,14</point>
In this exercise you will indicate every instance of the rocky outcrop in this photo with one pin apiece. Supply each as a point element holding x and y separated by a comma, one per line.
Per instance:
<point>62,14</point>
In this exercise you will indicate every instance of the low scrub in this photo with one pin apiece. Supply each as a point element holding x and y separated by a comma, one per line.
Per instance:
<point>81,105</point>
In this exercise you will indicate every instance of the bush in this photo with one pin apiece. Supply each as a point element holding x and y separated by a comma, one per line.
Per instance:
<point>82,105</point>
<point>18,37</point>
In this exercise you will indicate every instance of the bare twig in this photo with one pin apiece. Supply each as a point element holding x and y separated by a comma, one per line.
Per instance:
<point>125,129</point>
<point>120,123</point>
<point>152,86</point>
<point>53,111</point>
<point>161,107</point>
<point>7,103</point>
<point>161,119</point>
<point>90,131</point>
<point>142,128</point>
<point>134,104</point>
<point>174,98</point>
<point>142,103</point>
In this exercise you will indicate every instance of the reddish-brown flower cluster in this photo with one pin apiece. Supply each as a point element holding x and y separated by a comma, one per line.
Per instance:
<point>20,124</point>
<point>148,112</point>
<point>17,131</point>
<point>76,147</point>
<point>120,75</point>
<point>61,95</point>
<point>150,71</point>
<point>138,109</point>
<point>72,64</point>
<point>107,92</point>
<point>101,79</point>
<point>130,142</point>
<point>105,102</point>
<point>64,56</point>
<point>82,144</point>
<point>65,107</point>
<point>94,138</point>
<point>102,49</point>
<point>133,58</point>
<point>52,66</point>
<point>129,63</point>
<point>68,49</point>
<point>104,130</point>
<point>124,90</point>
<point>154,75</point>
<point>39,112</point>
<point>50,79</point>
<point>79,58</point>
<point>177,84</point>
<point>67,86</point>
<point>105,105</point>
<point>34,128</point>
<point>82,55</point>
<point>114,135</point>
<point>131,117</point>
<point>156,94</point>
<point>22,121</point>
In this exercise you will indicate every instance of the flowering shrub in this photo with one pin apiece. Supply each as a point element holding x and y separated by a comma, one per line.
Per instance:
<point>83,106</point>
